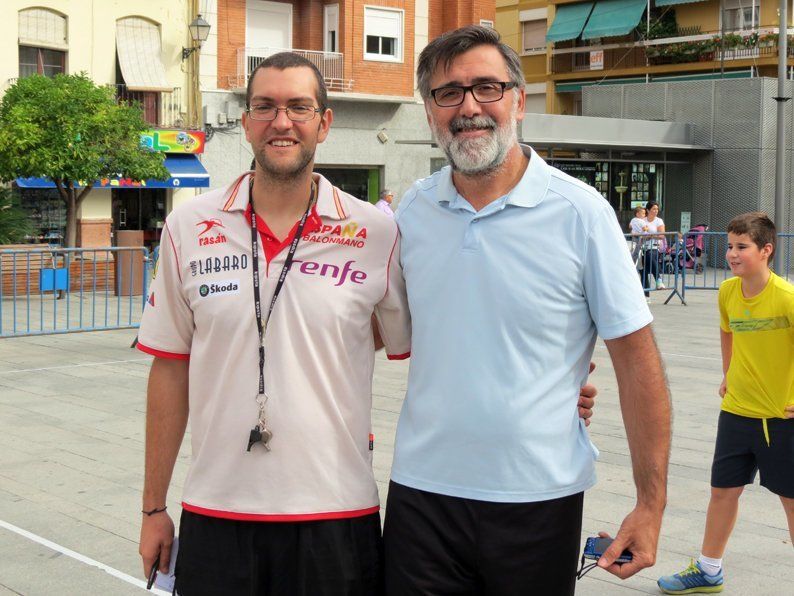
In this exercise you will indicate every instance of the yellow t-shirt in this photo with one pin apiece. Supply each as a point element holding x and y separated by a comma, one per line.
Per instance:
<point>761,374</point>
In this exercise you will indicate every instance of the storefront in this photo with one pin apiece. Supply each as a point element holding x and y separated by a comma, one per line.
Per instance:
<point>362,183</point>
<point>120,204</point>
<point>625,184</point>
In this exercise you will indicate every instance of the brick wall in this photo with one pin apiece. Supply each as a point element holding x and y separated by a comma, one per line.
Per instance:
<point>231,36</point>
<point>446,16</point>
<point>369,76</point>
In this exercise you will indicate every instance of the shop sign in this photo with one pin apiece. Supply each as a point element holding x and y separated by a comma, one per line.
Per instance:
<point>174,141</point>
<point>597,60</point>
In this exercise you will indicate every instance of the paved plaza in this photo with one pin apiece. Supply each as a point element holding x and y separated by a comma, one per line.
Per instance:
<point>71,462</point>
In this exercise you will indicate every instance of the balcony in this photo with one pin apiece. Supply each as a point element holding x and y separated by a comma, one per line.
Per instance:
<point>161,109</point>
<point>330,64</point>
<point>701,47</point>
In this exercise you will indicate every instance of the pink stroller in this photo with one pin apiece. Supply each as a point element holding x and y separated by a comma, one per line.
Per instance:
<point>694,243</point>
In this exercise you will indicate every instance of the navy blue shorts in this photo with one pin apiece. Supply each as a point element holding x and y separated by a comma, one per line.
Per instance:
<point>742,450</point>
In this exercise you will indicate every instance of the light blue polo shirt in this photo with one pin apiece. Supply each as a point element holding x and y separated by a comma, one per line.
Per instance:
<point>506,304</point>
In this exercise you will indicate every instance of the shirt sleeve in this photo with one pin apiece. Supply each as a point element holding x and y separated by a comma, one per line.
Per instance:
<point>393,317</point>
<point>724,321</point>
<point>611,284</point>
<point>167,324</point>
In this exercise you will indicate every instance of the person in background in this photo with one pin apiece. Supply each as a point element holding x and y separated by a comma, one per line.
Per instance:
<point>638,225</point>
<point>384,204</point>
<point>651,245</point>
<point>755,432</point>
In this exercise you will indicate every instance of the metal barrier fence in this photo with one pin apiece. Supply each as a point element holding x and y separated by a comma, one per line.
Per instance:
<point>709,266</point>
<point>62,290</point>
<point>659,259</point>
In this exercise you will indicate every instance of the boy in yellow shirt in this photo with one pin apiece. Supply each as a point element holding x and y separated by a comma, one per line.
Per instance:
<point>756,424</point>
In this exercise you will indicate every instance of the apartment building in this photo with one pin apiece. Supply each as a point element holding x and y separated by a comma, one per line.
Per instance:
<point>367,53</point>
<point>597,68</point>
<point>137,49</point>
<point>568,45</point>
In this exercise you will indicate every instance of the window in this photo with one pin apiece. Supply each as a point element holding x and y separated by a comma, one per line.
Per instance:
<point>383,33</point>
<point>738,15</point>
<point>533,34</point>
<point>42,42</point>
<point>41,61</point>
<point>331,43</point>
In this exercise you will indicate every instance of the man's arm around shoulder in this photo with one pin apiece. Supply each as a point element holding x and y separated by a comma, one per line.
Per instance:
<point>645,405</point>
<point>166,419</point>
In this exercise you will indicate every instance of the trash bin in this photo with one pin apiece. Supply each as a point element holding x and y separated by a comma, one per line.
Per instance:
<point>129,263</point>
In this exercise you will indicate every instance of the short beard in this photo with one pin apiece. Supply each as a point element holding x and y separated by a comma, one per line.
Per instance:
<point>481,156</point>
<point>288,174</point>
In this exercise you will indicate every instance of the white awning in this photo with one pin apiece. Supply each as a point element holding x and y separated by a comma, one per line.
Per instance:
<point>140,55</point>
<point>41,27</point>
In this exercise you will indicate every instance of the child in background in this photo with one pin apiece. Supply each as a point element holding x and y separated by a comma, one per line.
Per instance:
<point>638,225</point>
<point>756,426</point>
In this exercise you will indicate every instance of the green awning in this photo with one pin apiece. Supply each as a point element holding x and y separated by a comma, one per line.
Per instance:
<point>675,2</point>
<point>614,17</point>
<point>569,21</point>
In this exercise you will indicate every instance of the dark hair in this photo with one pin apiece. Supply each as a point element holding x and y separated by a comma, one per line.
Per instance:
<point>283,61</point>
<point>758,226</point>
<point>650,205</point>
<point>448,46</point>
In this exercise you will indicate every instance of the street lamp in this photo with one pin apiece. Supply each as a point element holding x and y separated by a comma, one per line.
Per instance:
<point>199,32</point>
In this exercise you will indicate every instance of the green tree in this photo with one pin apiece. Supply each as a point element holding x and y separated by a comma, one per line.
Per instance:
<point>15,225</point>
<point>74,132</point>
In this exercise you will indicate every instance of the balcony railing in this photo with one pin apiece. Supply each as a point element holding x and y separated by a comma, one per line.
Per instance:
<point>330,64</point>
<point>704,47</point>
<point>163,109</point>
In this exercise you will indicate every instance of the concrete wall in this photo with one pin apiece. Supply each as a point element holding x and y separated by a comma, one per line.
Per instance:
<point>735,117</point>
<point>352,142</point>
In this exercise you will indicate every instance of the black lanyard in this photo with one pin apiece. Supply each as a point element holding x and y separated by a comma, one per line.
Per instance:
<point>255,264</point>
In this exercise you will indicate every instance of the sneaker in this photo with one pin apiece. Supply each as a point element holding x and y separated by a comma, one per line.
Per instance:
<point>647,300</point>
<point>692,580</point>
<point>660,285</point>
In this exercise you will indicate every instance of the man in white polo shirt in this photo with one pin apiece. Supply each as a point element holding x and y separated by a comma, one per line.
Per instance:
<point>512,269</point>
<point>280,497</point>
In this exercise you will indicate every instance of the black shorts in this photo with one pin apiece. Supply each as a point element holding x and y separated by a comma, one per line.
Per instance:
<point>436,544</point>
<point>313,558</point>
<point>742,450</point>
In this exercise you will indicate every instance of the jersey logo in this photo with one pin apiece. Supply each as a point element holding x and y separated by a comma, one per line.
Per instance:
<point>209,224</point>
<point>230,286</point>
<point>151,299</point>
<point>768,324</point>
<point>348,235</point>
<point>340,274</point>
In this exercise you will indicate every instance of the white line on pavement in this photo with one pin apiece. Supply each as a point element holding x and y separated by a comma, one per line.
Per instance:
<point>78,557</point>
<point>24,370</point>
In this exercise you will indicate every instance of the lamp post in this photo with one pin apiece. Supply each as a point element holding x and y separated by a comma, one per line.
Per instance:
<point>781,99</point>
<point>199,31</point>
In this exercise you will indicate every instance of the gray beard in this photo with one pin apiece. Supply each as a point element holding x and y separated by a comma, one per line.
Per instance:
<point>482,156</point>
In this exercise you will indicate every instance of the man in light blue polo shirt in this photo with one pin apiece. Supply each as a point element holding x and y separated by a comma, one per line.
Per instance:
<point>512,269</point>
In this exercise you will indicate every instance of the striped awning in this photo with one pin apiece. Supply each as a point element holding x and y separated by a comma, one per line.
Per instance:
<point>140,55</point>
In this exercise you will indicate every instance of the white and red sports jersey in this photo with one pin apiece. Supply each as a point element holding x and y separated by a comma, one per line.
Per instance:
<point>319,351</point>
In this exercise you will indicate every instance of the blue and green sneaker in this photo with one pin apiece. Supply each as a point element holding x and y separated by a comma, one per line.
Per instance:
<point>692,580</point>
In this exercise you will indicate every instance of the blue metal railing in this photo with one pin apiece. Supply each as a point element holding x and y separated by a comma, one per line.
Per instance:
<point>63,290</point>
<point>659,259</point>
<point>710,268</point>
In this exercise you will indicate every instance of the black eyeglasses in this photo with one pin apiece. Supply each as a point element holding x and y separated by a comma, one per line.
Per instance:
<point>449,97</point>
<point>294,113</point>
